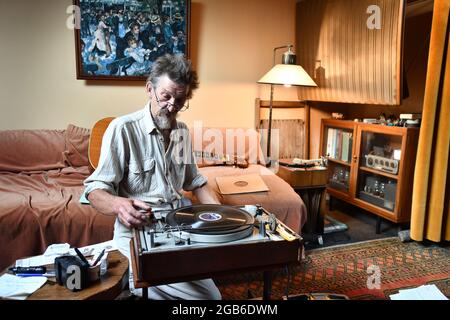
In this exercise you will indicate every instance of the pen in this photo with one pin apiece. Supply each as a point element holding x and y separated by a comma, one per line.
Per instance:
<point>99,257</point>
<point>23,275</point>
<point>38,269</point>
<point>81,256</point>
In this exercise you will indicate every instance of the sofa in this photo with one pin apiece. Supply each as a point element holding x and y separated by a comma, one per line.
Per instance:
<point>41,181</point>
<point>41,176</point>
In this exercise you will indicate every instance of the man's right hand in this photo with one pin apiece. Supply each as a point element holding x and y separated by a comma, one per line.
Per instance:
<point>132,213</point>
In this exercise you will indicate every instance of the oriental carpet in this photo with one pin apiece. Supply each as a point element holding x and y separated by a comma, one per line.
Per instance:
<point>352,270</point>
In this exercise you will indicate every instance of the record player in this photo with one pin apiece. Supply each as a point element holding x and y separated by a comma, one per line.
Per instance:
<point>206,240</point>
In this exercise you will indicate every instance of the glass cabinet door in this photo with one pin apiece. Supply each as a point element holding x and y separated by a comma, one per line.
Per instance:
<point>339,177</point>
<point>378,190</point>
<point>379,164</point>
<point>337,147</point>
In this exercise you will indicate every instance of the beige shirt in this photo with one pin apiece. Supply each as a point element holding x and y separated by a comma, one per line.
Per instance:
<point>134,164</point>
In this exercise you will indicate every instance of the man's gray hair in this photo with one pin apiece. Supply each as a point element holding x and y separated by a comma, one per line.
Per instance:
<point>177,68</point>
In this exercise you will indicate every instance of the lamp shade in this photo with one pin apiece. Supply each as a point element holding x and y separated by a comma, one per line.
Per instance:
<point>288,74</point>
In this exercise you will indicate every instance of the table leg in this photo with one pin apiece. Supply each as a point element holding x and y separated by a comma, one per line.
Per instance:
<point>314,227</point>
<point>267,290</point>
<point>145,293</point>
<point>378,225</point>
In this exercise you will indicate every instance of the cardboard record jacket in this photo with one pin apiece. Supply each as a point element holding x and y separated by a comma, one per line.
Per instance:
<point>211,219</point>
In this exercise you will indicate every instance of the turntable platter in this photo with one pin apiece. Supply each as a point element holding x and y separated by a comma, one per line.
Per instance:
<point>212,223</point>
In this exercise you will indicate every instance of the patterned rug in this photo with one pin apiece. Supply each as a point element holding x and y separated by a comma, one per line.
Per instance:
<point>352,270</point>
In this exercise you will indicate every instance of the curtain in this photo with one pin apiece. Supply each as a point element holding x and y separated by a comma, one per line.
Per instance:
<point>431,199</point>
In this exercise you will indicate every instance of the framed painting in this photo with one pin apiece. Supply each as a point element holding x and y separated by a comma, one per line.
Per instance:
<point>120,39</point>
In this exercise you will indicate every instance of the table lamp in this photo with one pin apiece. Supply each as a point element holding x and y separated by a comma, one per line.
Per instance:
<point>287,73</point>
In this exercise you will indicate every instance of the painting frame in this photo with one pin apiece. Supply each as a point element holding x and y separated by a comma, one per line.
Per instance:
<point>104,44</point>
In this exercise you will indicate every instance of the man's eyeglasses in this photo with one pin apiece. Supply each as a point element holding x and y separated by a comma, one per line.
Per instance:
<point>179,107</point>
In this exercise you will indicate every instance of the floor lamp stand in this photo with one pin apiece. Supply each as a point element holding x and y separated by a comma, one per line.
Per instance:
<point>269,130</point>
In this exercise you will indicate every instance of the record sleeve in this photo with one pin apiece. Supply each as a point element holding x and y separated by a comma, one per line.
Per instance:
<point>241,184</point>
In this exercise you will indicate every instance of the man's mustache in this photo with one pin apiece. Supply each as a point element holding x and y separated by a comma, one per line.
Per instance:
<point>167,113</point>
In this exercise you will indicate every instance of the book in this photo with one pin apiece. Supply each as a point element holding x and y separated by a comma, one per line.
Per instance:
<point>350,146</point>
<point>410,116</point>
<point>329,140</point>
<point>371,120</point>
<point>345,140</point>
<point>334,144</point>
<point>339,145</point>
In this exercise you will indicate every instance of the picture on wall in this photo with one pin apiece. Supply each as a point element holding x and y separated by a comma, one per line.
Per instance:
<point>120,39</point>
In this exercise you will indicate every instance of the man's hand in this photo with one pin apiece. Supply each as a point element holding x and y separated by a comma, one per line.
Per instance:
<point>132,213</point>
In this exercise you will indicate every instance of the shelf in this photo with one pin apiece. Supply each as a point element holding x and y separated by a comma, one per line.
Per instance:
<point>338,185</point>
<point>338,193</point>
<point>379,172</point>
<point>387,214</point>
<point>339,162</point>
<point>376,200</point>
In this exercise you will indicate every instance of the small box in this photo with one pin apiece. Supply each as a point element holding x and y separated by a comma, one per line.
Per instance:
<point>71,272</point>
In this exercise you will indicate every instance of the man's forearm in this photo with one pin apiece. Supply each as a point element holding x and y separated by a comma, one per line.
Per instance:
<point>132,213</point>
<point>206,194</point>
<point>102,201</point>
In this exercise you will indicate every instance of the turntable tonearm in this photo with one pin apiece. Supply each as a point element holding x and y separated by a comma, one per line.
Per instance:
<point>203,241</point>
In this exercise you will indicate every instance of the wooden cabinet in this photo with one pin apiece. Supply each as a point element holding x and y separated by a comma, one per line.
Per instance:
<point>371,166</point>
<point>310,184</point>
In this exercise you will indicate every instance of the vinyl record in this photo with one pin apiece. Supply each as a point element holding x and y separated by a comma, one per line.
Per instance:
<point>211,219</point>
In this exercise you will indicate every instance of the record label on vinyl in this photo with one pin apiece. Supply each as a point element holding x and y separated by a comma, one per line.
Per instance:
<point>210,216</point>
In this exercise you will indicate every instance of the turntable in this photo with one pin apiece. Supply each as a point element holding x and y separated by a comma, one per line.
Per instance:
<point>203,241</point>
<point>211,224</point>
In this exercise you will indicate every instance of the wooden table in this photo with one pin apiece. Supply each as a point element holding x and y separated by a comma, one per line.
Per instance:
<point>310,184</point>
<point>108,287</point>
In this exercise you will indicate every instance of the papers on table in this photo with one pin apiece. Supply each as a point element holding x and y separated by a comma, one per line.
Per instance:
<point>35,261</point>
<point>426,292</point>
<point>56,250</point>
<point>18,288</point>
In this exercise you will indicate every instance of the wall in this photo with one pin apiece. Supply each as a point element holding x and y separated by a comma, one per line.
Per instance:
<point>231,47</point>
<point>416,45</point>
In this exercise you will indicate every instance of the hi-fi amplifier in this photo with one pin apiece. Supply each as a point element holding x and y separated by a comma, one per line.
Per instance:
<point>382,163</point>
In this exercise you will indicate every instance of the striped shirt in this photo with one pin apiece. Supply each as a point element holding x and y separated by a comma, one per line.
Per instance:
<point>134,163</point>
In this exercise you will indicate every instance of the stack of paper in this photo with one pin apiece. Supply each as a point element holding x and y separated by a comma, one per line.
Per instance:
<point>426,292</point>
<point>18,288</point>
<point>56,250</point>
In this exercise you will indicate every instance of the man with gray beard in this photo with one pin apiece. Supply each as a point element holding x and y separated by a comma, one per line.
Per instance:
<point>141,168</point>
